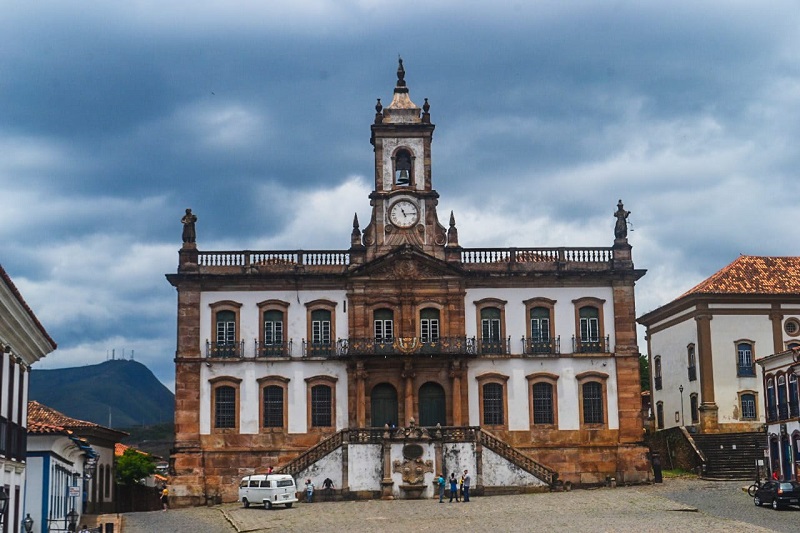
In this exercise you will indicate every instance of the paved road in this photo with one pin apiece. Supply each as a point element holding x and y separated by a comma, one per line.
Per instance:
<point>672,506</point>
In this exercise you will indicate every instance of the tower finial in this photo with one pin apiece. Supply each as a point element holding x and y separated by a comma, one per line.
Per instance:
<point>401,72</point>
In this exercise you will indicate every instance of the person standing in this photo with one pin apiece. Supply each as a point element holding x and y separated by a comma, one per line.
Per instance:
<point>466,486</point>
<point>164,498</point>
<point>453,487</point>
<point>309,491</point>
<point>461,487</point>
<point>441,488</point>
<point>327,486</point>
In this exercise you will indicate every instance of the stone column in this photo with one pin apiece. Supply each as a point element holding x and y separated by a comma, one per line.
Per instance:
<point>361,407</point>
<point>408,375</point>
<point>776,316</point>
<point>629,390</point>
<point>708,408</point>
<point>455,376</point>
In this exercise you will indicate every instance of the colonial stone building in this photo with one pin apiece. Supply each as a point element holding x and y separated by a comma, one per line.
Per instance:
<point>475,352</point>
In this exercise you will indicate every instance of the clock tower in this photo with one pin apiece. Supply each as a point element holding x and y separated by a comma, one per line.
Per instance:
<point>403,201</point>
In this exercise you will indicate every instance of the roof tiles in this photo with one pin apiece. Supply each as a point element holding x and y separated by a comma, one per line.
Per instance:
<point>750,274</point>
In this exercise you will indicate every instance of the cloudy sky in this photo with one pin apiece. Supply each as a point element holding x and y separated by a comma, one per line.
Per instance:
<point>256,114</point>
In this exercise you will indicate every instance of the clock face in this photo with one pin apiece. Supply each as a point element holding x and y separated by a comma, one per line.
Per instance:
<point>404,214</point>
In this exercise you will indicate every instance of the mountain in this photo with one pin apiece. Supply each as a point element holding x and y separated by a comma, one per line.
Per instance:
<point>118,394</point>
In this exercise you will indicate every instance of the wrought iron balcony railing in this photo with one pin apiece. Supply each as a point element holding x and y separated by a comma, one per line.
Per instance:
<point>541,348</point>
<point>273,349</point>
<point>406,346</point>
<point>493,346</point>
<point>225,350</point>
<point>591,345</point>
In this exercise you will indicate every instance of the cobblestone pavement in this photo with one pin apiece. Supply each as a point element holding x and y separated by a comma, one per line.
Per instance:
<point>650,508</point>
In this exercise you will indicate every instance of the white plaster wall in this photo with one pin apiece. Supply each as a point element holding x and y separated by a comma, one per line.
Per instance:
<point>417,148</point>
<point>725,329</point>
<point>329,466</point>
<point>364,465</point>
<point>457,457</point>
<point>249,319</point>
<point>671,344</point>
<point>498,472</point>
<point>564,313</point>
<point>567,387</point>
<point>250,372</point>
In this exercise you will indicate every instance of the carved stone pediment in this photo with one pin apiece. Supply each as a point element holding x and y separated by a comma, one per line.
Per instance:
<point>407,263</point>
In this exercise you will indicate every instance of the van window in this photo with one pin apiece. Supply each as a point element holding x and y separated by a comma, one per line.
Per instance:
<point>285,482</point>
<point>265,483</point>
<point>243,484</point>
<point>254,483</point>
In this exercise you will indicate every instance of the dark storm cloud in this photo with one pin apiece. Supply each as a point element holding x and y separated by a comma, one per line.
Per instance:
<point>113,120</point>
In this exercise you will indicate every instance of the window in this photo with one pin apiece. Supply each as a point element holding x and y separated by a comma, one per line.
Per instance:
<point>492,399</point>
<point>693,408</point>
<point>772,408</point>
<point>744,364</point>
<point>589,324</point>
<point>321,402</point>
<point>225,317</point>
<point>540,330</point>
<point>543,403</point>
<point>748,405</point>
<point>273,407</point>
<point>273,332</point>
<point>657,381</point>
<point>659,415</point>
<point>491,325</point>
<point>593,398</point>
<point>383,321</point>
<point>493,404</point>
<point>224,403</point>
<point>794,408</point>
<point>429,325</point>
<point>403,168</point>
<point>490,330</point>
<point>691,361</point>
<point>792,327</point>
<point>321,328</point>
<point>783,401</point>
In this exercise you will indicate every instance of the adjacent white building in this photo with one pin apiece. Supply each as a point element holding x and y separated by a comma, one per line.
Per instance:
<point>23,341</point>
<point>703,346</point>
<point>782,405</point>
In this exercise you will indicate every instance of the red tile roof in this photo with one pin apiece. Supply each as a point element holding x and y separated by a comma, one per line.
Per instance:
<point>750,274</point>
<point>41,415</point>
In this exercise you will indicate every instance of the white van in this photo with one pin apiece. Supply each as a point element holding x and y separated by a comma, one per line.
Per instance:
<point>268,489</point>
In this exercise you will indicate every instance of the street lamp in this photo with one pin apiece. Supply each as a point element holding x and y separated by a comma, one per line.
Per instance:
<point>28,523</point>
<point>72,517</point>
<point>3,503</point>
<point>680,388</point>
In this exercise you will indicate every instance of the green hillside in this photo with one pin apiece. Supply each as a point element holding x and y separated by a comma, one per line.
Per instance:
<point>118,394</point>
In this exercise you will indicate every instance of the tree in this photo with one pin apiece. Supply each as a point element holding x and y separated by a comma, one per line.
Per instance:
<point>134,466</point>
<point>644,372</point>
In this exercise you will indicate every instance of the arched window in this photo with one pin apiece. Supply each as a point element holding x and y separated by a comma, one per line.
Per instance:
<point>403,168</point>
<point>593,403</point>
<point>225,321</point>
<point>794,401</point>
<point>660,415</point>
<point>273,333</point>
<point>429,325</point>
<point>783,401</point>
<point>744,361</point>
<point>539,330</point>
<point>657,381</point>
<point>693,408</point>
<point>691,361</point>
<point>589,336</point>
<point>772,408</point>
<point>383,322</point>
<point>493,404</point>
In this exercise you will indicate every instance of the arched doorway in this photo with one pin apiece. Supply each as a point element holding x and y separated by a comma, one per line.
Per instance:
<point>774,455</point>
<point>432,406</point>
<point>786,456</point>
<point>383,405</point>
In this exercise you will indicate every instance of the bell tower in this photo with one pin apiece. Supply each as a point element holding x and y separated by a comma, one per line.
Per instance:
<point>403,200</point>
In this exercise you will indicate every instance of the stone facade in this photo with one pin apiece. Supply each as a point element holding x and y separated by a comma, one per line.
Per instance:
<point>536,346</point>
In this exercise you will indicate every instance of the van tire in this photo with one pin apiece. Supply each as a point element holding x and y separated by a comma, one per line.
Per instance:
<point>267,505</point>
<point>289,505</point>
<point>246,503</point>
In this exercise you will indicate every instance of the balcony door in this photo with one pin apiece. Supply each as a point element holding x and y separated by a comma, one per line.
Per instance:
<point>432,407</point>
<point>383,402</point>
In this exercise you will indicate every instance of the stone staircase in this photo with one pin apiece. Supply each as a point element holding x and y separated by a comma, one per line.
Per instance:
<point>730,455</point>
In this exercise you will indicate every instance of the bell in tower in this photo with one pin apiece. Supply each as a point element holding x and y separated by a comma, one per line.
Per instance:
<point>402,169</point>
